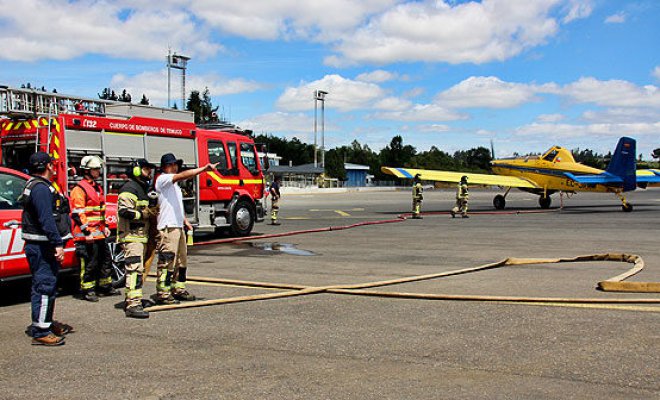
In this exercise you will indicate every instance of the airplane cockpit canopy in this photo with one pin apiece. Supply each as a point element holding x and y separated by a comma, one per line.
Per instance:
<point>550,155</point>
<point>558,154</point>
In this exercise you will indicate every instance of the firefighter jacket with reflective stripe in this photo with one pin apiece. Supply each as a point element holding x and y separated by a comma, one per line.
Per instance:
<point>45,213</point>
<point>132,221</point>
<point>418,191</point>
<point>88,212</point>
<point>462,191</point>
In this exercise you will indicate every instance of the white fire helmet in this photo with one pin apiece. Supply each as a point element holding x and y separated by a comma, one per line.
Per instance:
<point>91,162</point>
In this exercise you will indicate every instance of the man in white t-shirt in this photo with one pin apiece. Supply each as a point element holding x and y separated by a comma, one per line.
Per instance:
<point>172,250</point>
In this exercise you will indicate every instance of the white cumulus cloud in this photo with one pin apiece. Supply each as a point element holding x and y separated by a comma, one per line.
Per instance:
<point>442,31</point>
<point>376,76</point>
<point>318,20</point>
<point>61,29</point>
<point>488,92</point>
<point>343,94</point>
<point>422,112</point>
<point>598,130</point>
<point>612,93</point>
<point>285,124</point>
<point>545,118</point>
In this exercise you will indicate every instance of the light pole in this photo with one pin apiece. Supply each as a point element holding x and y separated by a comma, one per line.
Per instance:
<point>177,62</point>
<point>319,95</point>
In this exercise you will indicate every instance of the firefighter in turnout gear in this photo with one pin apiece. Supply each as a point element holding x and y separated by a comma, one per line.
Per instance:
<point>462,197</point>
<point>172,249</point>
<point>45,228</point>
<point>134,212</point>
<point>417,197</point>
<point>90,232</point>
<point>275,200</point>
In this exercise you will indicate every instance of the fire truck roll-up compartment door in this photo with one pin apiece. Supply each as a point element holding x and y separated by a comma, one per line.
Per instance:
<point>79,140</point>
<point>180,147</point>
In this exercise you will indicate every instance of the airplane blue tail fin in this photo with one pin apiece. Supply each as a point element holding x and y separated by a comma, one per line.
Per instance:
<point>623,163</point>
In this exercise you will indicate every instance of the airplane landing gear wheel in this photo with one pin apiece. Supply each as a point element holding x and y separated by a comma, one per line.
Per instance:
<point>627,207</point>
<point>545,201</point>
<point>499,202</point>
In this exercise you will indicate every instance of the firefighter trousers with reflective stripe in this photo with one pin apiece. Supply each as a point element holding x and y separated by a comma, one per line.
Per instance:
<point>44,268</point>
<point>134,256</point>
<point>416,206</point>
<point>172,261</point>
<point>95,266</point>
<point>275,209</point>
<point>461,206</point>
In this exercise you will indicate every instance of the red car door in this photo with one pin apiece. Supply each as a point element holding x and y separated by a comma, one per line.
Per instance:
<point>13,263</point>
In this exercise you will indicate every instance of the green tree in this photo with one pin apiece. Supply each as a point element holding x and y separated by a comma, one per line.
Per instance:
<point>293,150</point>
<point>396,154</point>
<point>145,100</point>
<point>194,104</point>
<point>334,165</point>
<point>125,97</point>
<point>202,106</point>
<point>433,159</point>
<point>590,158</point>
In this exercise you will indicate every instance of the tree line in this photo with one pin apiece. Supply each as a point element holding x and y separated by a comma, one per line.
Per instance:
<point>396,154</point>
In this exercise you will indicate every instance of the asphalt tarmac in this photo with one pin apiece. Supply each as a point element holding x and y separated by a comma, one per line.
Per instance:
<point>332,346</point>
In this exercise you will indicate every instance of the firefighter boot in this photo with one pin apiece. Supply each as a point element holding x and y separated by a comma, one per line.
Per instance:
<point>166,300</point>
<point>109,292</point>
<point>183,295</point>
<point>136,312</point>
<point>90,296</point>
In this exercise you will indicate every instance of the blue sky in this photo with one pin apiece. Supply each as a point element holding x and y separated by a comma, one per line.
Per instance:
<point>453,74</point>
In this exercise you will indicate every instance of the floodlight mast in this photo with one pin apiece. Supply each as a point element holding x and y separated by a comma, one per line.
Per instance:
<point>319,95</point>
<point>176,61</point>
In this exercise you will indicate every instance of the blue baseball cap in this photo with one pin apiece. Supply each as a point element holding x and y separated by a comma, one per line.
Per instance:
<point>39,160</point>
<point>169,158</point>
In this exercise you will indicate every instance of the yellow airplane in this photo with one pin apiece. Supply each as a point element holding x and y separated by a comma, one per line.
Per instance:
<point>554,171</point>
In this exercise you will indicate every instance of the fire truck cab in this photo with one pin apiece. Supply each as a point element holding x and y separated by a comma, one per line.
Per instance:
<point>70,128</point>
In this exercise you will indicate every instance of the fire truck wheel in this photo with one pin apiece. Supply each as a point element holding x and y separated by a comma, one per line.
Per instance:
<point>242,218</point>
<point>118,266</point>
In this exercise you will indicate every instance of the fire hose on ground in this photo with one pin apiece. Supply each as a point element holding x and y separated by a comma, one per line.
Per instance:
<point>614,284</point>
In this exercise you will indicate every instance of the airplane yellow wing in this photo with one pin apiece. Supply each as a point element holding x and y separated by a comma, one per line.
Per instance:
<point>452,176</point>
<point>650,177</point>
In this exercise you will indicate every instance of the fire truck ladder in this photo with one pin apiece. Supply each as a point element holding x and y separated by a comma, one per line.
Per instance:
<point>30,103</point>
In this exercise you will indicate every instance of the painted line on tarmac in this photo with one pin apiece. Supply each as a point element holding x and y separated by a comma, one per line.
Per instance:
<point>342,213</point>
<point>591,306</point>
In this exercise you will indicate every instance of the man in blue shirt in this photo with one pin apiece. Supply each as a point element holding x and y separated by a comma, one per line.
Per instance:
<point>45,228</point>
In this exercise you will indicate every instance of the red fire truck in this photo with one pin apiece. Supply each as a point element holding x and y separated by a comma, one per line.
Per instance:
<point>70,128</point>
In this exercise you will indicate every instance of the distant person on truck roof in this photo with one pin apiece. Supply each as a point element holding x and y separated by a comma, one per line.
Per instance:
<point>172,250</point>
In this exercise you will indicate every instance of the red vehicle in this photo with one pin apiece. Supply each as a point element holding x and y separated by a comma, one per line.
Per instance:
<point>229,198</point>
<point>13,263</point>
